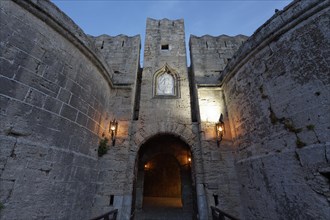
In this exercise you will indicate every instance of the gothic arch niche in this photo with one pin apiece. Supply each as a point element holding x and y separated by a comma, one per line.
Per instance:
<point>164,177</point>
<point>166,83</point>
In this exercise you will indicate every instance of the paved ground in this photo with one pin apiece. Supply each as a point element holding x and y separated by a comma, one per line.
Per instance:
<point>160,208</point>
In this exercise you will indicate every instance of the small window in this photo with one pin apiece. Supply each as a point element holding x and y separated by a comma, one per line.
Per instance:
<point>165,47</point>
<point>112,198</point>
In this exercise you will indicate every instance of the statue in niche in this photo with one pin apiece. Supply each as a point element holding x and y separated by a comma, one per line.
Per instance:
<point>165,84</point>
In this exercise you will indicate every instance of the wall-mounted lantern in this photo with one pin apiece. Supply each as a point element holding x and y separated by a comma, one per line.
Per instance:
<point>220,129</point>
<point>113,130</point>
<point>146,167</point>
<point>188,161</point>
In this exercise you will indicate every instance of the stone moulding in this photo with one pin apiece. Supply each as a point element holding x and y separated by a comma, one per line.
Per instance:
<point>166,69</point>
<point>62,24</point>
<point>270,31</point>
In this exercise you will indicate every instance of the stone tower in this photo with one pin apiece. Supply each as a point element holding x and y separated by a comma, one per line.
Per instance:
<point>164,82</point>
<point>163,109</point>
<point>60,89</point>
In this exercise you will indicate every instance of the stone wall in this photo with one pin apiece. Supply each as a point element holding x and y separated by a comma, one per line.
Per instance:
<point>218,159</point>
<point>165,49</point>
<point>171,33</point>
<point>122,53</point>
<point>58,94</point>
<point>55,105</point>
<point>277,96</point>
<point>210,55</point>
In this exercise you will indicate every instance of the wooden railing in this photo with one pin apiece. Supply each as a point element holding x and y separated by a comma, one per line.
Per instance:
<point>112,215</point>
<point>218,214</point>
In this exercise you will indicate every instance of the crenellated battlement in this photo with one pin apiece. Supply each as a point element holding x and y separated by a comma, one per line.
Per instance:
<point>61,88</point>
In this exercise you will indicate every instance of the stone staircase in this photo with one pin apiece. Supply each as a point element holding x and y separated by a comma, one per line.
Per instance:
<point>155,208</point>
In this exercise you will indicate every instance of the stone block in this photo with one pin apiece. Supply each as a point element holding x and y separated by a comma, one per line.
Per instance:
<point>75,89</point>
<point>35,98</point>
<point>55,76</point>
<point>69,112</point>
<point>13,88</point>
<point>53,105</point>
<point>79,104</point>
<point>37,82</point>
<point>82,119</point>
<point>311,155</point>
<point>91,125</point>
<point>64,95</point>
<point>7,67</point>
<point>4,102</point>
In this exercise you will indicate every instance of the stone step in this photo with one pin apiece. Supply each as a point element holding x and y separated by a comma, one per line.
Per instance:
<point>163,209</point>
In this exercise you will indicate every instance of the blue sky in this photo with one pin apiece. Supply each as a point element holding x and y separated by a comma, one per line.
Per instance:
<point>213,17</point>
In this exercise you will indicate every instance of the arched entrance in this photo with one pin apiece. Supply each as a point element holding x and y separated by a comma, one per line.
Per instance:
<point>164,186</point>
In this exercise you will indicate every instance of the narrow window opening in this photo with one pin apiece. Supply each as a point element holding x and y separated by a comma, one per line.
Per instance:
<point>123,43</point>
<point>207,45</point>
<point>165,47</point>
<point>158,23</point>
<point>112,198</point>
<point>137,95</point>
<point>225,44</point>
<point>173,23</point>
<point>193,95</point>
<point>216,199</point>
<point>116,71</point>
<point>102,45</point>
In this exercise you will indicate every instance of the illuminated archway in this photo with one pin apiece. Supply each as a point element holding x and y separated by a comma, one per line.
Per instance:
<point>164,175</point>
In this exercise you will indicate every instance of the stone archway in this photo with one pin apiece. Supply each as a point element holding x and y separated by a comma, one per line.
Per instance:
<point>164,185</point>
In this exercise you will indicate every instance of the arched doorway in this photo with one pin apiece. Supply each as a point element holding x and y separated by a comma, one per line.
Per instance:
<point>164,186</point>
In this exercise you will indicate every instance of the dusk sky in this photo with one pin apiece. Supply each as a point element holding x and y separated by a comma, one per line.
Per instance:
<point>231,17</point>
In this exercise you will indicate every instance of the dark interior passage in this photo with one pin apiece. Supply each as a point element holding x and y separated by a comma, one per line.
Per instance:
<point>164,184</point>
<point>162,177</point>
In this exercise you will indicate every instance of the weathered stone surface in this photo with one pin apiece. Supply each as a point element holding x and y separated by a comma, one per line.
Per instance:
<point>279,117</point>
<point>59,89</point>
<point>41,141</point>
<point>122,53</point>
<point>210,55</point>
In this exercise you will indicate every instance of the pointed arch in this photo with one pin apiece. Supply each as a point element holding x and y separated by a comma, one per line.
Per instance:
<point>164,169</point>
<point>166,83</point>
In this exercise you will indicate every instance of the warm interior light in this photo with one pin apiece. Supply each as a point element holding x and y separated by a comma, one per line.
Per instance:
<point>189,159</point>
<point>209,113</point>
<point>147,166</point>
<point>220,129</point>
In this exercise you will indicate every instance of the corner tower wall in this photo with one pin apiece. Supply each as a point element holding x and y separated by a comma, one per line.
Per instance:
<point>56,101</point>
<point>122,54</point>
<point>277,96</point>
<point>58,94</point>
<point>210,55</point>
